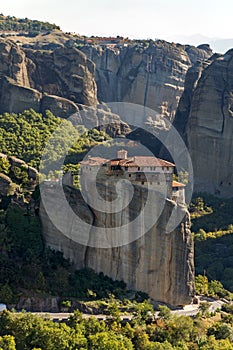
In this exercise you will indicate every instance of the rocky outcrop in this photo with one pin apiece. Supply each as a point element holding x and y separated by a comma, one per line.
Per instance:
<point>104,119</point>
<point>60,106</point>
<point>64,72</point>
<point>13,63</point>
<point>158,263</point>
<point>8,183</point>
<point>152,75</point>
<point>5,184</point>
<point>205,119</point>
<point>199,53</point>
<point>61,81</point>
<point>57,80</point>
<point>17,98</point>
<point>38,304</point>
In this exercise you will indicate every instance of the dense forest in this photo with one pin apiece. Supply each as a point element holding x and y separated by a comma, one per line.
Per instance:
<point>167,332</point>
<point>25,136</point>
<point>11,23</point>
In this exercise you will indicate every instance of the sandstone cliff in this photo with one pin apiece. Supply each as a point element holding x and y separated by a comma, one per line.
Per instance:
<point>61,81</point>
<point>152,75</point>
<point>64,78</point>
<point>158,263</point>
<point>205,119</point>
<point>57,79</point>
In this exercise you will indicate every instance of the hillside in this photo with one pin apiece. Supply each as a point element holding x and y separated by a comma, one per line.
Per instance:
<point>24,25</point>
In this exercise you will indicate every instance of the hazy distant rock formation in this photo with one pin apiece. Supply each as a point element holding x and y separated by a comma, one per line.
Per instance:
<point>158,263</point>
<point>205,119</point>
<point>152,75</point>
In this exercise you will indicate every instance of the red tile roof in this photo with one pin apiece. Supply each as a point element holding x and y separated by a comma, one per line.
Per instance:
<point>177,184</point>
<point>94,161</point>
<point>137,161</point>
<point>140,161</point>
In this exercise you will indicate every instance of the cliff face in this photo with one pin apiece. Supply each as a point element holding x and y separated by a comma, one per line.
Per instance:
<point>61,81</point>
<point>64,78</point>
<point>206,113</point>
<point>158,263</point>
<point>151,76</point>
<point>40,79</point>
<point>64,72</point>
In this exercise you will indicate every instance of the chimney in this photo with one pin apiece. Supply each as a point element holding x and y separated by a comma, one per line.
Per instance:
<point>122,154</point>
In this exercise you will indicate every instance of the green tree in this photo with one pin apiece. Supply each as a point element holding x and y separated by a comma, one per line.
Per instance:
<point>159,346</point>
<point>113,310</point>
<point>143,311</point>
<point>180,329</point>
<point>212,344</point>
<point>4,166</point>
<point>216,288</point>
<point>204,308</point>
<point>109,341</point>
<point>201,284</point>
<point>164,312</point>
<point>40,282</point>
<point>7,342</point>
<point>221,331</point>
<point>6,294</point>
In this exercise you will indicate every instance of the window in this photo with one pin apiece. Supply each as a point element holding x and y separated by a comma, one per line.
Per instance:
<point>142,182</point>
<point>129,175</point>
<point>139,168</point>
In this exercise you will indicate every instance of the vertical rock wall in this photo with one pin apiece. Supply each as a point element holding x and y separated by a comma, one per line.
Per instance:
<point>205,119</point>
<point>158,263</point>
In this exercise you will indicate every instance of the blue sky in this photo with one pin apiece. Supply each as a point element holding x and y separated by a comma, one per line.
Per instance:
<point>133,18</point>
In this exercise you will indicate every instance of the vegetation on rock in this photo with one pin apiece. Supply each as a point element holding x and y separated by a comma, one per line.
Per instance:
<point>11,23</point>
<point>212,224</point>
